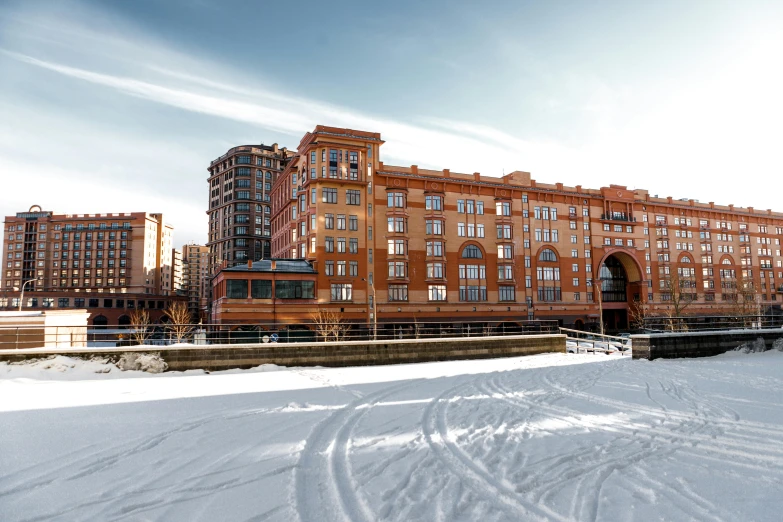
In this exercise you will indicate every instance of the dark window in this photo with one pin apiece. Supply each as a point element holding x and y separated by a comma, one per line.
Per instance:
<point>236,288</point>
<point>64,302</point>
<point>547,255</point>
<point>294,289</point>
<point>120,303</point>
<point>78,302</point>
<point>472,252</point>
<point>107,303</point>
<point>261,289</point>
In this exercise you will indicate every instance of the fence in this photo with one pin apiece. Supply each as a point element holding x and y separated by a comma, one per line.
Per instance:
<point>712,322</point>
<point>111,336</point>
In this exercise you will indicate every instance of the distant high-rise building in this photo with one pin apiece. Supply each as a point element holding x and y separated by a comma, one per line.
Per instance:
<point>176,261</point>
<point>110,264</point>
<point>240,184</point>
<point>195,279</point>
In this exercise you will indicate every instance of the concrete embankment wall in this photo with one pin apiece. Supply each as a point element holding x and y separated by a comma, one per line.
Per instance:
<point>348,353</point>
<point>698,344</point>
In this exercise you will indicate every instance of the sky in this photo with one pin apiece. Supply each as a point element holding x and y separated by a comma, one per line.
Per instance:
<point>117,106</point>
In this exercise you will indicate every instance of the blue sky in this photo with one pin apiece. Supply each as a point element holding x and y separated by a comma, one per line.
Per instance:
<point>120,106</point>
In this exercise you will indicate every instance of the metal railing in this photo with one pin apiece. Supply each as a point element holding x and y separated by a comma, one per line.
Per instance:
<point>114,336</point>
<point>701,323</point>
<point>578,341</point>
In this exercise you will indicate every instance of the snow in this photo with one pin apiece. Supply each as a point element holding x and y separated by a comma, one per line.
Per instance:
<point>548,437</point>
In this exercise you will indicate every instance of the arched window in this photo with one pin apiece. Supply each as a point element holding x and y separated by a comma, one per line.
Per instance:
<point>547,255</point>
<point>726,261</point>
<point>472,252</point>
<point>124,320</point>
<point>100,322</point>
<point>686,259</point>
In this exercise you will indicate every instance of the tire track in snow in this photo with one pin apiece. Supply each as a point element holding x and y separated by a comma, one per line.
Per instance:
<point>754,432</point>
<point>595,466</point>
<point>495,492</point>
<point>324,486</point>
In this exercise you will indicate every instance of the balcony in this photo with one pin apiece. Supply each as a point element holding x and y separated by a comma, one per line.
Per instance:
<point>618,216</point>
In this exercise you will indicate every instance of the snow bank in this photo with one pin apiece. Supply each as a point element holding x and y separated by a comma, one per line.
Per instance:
<point>145,362</point>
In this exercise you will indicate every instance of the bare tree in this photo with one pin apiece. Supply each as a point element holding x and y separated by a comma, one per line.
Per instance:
<point>329,324</point>
<point>680,286</point>
<point>637,313</point>
<point>140,321</point>
<point>180,320</point>
<point>745,303</point>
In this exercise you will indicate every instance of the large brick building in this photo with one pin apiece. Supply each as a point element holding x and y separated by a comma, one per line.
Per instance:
<point>441,246</point>
<point>110,264</point>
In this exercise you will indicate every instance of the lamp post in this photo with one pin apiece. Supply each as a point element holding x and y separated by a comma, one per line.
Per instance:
<point>373,309</point>
<point>21,296</point>
<point>600,302</point>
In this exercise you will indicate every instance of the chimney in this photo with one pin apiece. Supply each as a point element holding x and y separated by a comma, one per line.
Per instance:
<point>249,264</point>
<point>414,169</point>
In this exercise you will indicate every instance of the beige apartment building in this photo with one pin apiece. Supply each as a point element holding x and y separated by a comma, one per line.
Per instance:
<point>112,262</point>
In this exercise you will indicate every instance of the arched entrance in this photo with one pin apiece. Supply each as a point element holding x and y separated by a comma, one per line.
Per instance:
<point>620,276</point>
<point>100,322</point>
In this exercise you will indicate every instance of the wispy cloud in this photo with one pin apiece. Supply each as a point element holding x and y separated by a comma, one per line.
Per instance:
<point>667,137</point>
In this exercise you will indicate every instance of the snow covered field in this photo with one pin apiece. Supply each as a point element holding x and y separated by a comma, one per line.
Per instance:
<point>549,437</point>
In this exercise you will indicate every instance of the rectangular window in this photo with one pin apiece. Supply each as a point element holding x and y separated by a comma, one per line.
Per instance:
<point>506,293</point>
<point>341,245</point>
<point>435,248</point>
<point>353,197</point>
<point>294,289</point>
<point>398,269</point>
<point>341,291</point>
<point>472,293</point>
<point>435,270</point>
<point>329,195</point>
<point>434,227</point>
<point>398,293</point>
<point>236,288</point>
<point>433,203</point>
<point>260,289</point>
<point>340,221</point>
<point>395,200</point>
<point>437,292</point>
<point>353,245</point>
<point>329,244</point>
<point>353,223</point>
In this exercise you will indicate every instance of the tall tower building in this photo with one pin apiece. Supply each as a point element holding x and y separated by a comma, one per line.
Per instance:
<point>195,278</point>
<point>240,186</point>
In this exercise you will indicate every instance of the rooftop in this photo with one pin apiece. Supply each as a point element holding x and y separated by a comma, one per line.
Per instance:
<point>288,266</point>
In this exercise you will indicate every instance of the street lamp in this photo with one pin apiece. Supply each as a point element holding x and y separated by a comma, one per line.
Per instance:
<point>373,310</point>
<point>21,296</point>
<point>600,302</point>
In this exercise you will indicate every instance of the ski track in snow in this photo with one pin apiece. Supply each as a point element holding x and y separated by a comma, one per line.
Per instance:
<point>548,437</point>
